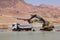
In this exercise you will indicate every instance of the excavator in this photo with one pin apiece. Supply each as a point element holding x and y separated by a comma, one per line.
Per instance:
<point>46,26</point>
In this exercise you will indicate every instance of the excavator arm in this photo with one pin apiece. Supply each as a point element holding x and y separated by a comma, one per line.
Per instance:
<point>45,24</point>
<point>28,20</point>
<point>36,16</point>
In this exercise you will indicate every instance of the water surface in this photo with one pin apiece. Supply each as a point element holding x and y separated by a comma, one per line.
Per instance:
<point>30,35</point>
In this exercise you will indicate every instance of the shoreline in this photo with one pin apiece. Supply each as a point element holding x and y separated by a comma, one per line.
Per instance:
<point>9,30</point>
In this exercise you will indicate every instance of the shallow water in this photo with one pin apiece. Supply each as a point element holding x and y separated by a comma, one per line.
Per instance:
<point>30,35</point>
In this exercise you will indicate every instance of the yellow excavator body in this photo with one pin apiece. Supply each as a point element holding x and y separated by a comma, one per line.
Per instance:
<point>49,25</point>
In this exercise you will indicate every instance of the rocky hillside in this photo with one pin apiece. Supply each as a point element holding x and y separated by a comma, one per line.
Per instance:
<point>10,9</point>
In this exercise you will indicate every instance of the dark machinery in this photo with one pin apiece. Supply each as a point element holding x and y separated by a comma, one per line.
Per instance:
<point>46,26</point>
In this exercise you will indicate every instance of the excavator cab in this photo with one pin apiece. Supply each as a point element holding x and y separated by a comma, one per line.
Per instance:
<point>47,26</point>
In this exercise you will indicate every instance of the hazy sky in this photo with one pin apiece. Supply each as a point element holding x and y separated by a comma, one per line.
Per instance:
<point>38,2</point>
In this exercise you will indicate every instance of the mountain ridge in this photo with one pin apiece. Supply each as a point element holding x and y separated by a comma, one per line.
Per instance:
<point>18,8</point>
